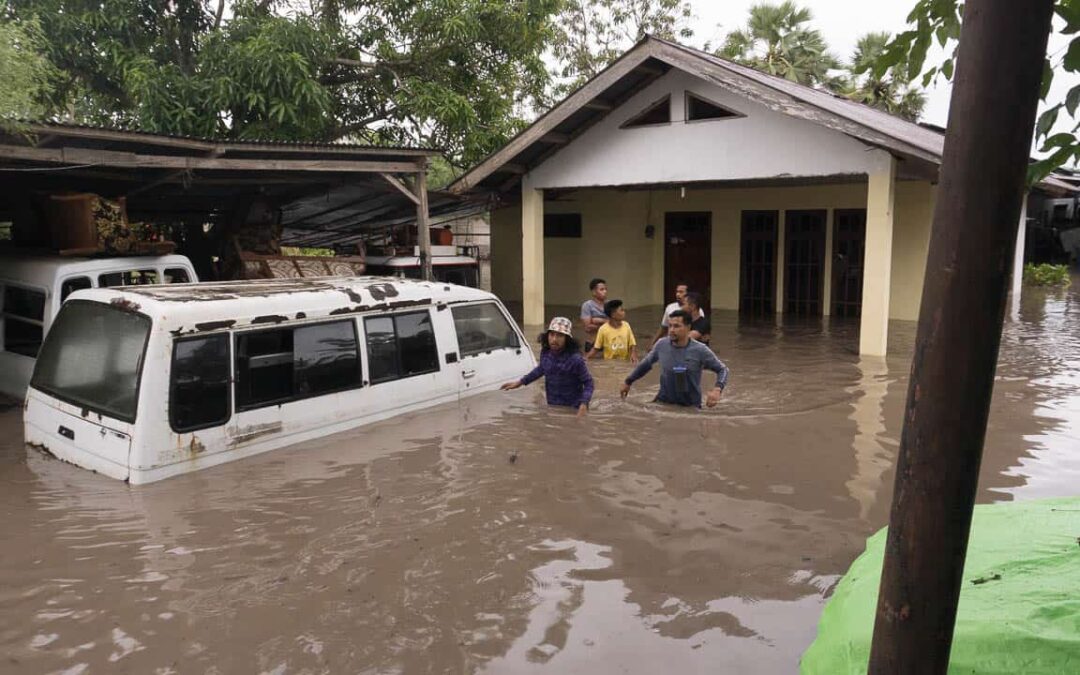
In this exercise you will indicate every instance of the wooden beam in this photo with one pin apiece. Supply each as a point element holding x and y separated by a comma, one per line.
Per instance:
<point>599,104</point>
<point>169,177</point>
<point>555,138</point>
<point>401,187</point>
<point>136,161</point>
<point>423,226</point>
<point>995,95</point>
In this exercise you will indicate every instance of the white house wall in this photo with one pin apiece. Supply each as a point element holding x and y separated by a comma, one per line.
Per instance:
<point>614,245</point>
<point>763,144</point>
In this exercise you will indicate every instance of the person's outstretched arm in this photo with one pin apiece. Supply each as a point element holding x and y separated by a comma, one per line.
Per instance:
<point>711,362</point>
<point>643,367</point>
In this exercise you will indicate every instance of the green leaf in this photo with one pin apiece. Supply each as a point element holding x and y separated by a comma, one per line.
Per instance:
<point>1044,167</point>
<point>1062,140</point>
<point>1071,62</point>
<point>947,69</point>
<point>1072,100</point>
<point>1046,121</point>
<point>1047,80</point>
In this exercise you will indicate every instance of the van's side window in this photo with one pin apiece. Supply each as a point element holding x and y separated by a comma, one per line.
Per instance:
<point>401,346</point>
<point>176,275</point>
<point>199,383</point>
<point>24,313</point>
<point>483,328</point>
<point>285,364</point>
<point>73,284</point>
<point>129,278</point>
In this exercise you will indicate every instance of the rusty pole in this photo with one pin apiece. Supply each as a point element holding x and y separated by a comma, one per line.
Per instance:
<point>991,119</point>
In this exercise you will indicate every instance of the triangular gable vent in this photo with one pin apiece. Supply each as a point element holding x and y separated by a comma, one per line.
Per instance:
<point>657,113</point>
<point>698,109</point>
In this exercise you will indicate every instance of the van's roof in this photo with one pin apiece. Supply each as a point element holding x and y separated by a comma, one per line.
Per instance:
<point>192,308</point>
<point>43,270</point>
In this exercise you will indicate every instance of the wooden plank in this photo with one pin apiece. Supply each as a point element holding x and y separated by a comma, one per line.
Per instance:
<point>599,104</point>
<point>547,123</point>
<point>401,188</point>
<point>423,226</point>
<point>555,138</point>
<point>137,161</point>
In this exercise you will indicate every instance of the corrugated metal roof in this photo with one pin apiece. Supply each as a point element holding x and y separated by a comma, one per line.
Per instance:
<point>150,137</point>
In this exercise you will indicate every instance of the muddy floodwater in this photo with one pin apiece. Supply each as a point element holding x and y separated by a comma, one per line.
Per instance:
<point>498,536</point>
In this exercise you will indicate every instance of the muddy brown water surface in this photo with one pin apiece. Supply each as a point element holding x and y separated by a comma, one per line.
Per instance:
<point>498,536</point>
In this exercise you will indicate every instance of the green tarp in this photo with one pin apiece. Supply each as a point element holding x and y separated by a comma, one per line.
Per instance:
<point>1019,606</point>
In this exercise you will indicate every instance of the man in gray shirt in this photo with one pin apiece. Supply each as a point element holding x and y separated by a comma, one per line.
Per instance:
<point>681,361</point>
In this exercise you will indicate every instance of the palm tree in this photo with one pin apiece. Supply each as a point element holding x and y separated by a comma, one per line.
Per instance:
<point>889,91</point>
<point>777,40</point>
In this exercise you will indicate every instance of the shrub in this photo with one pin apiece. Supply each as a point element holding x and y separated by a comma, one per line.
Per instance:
<point>1046,275</point>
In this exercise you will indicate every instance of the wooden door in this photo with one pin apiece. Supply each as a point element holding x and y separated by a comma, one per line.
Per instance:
<point>804,266</point>
<point>849,246</point>
<point>688,253</point>
<point>757,268</point>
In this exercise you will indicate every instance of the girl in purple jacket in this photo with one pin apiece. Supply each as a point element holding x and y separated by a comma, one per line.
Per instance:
<point>568,380</point>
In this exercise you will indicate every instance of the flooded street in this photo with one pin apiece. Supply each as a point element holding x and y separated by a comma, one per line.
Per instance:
<point>498,536</point>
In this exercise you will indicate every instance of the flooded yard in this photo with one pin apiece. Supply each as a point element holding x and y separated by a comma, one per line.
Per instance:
<point>498,536</point>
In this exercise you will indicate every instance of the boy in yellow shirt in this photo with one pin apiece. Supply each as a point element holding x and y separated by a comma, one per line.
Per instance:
<point>615,338</point>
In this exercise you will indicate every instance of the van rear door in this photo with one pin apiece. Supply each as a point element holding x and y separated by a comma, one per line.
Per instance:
<point>490,348</point>
<point>87,439</point>
<point>85,390</point>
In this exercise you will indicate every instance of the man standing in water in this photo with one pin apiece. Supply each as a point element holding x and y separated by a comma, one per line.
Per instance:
<point>681,361</point>
<point>681,291</point>
<point>592,312</point>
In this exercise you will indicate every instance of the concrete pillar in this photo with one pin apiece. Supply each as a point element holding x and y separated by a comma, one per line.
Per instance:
<point>826,298</point>
<point>877,262</point>
<point>1018,261</point>
<point>781,259</point>
<point>532,255</point>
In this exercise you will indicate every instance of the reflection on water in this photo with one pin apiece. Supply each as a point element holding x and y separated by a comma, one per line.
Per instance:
<point>500,536</point>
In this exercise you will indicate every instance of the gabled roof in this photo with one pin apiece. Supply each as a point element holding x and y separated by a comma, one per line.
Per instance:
<point>651,58</point>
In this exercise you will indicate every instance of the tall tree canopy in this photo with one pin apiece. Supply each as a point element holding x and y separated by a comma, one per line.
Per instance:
<point>444,73</point>
<point>593,33</point>
<point>25,71</point>
<point>778,40</point>
<point>939,20</point>
<point>890,90</point>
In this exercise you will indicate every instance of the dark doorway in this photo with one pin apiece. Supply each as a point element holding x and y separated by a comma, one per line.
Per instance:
<point>688,253</point>
<point>849,245</point>
<point>757,269</point>
<point>804,266</point>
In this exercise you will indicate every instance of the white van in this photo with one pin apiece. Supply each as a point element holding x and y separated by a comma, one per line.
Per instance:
<point>143,383</point>
<point>32,288</point>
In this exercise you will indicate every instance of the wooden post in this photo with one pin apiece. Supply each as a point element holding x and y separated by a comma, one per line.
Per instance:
<point>995,96</point>
<point>423,227</point>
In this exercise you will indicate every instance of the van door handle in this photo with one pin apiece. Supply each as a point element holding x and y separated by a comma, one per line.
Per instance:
<point>468,374</point>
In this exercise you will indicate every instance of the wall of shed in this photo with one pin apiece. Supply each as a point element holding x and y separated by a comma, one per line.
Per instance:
<point>614,246</point>
<point>761,144</point>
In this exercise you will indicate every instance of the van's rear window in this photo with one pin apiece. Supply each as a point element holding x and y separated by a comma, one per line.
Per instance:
<point>93,357</point>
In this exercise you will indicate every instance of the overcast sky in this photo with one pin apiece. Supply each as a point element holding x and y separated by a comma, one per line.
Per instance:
<point>843,21</point>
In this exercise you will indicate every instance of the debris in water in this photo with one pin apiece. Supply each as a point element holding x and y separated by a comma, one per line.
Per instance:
<point>983,580</point>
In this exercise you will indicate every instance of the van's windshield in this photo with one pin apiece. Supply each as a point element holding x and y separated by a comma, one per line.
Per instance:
<point>92,357</point>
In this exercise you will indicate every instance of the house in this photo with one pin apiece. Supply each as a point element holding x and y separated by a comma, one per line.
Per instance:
<point>673,165</point>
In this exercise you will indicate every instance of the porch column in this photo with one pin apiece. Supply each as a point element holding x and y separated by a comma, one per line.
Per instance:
<point>1018,261</point>
<point>826,297</point>
<point>781,259</point>
<point>877,261</point>
<point>532,255</point>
